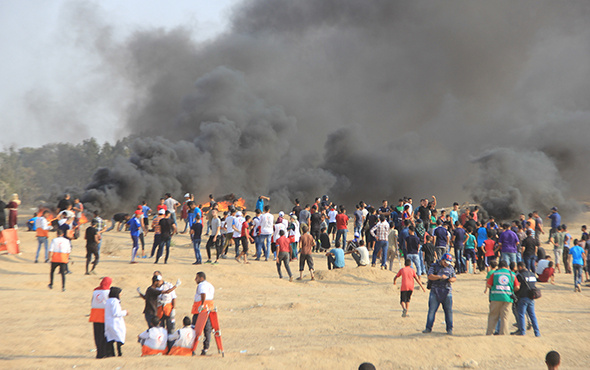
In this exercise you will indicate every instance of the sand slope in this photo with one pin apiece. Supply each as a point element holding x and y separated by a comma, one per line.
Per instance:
<point>340,320</point>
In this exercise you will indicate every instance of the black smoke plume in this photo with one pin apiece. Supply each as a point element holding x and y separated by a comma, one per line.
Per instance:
<point>356,99</point>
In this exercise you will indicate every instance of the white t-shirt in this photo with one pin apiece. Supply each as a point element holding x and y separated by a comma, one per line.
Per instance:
<point>277,230</point>
<point>207,288</point>
<point>332,216</point>
<point>170,203</point>
<point>266,224</point>
<point>229,221</point>
<point>365,213</point>
<point>364,252</point>
<point>166,298</point>
<point>256,223</point>
<point>237,224</point>
<point>60,245</point>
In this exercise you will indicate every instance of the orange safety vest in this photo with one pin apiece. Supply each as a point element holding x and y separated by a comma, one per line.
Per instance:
<point>195,310</point>
<point>60,257</point>
<point>147,351</point>
<point>99,299</point>
<point>164,310</point>
<point>180,351</point>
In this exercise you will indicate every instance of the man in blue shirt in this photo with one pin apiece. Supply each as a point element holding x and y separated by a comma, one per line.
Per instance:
<point>578,262</point>
<point>441,275</point>
<point>260,202</point>
<point>135,229</point>
<point>441,238</point>
<point>555,221</point>
<point>335,257</point>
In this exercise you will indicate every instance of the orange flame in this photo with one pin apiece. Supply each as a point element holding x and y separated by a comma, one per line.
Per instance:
<point>223,206</point>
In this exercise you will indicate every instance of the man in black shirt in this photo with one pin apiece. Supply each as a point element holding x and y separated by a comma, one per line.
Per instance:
<point>64,203</point>
<point>412,247</point>
<point>92,239</point>
<point>151,298</point>
<point>315,221</point>
<point>530,247</point>
<point>526,303</point>
<point>167,229</point>
<point>120,218</point>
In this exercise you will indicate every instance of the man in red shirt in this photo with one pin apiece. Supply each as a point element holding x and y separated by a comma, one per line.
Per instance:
<point>548,273</point>
<point>341,227</point>
<point>408,275</point>
<point>284,249</point>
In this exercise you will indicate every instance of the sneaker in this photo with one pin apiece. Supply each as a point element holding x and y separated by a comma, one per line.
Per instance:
<point>426,331</point>
<point>208,261</point>
<point>404,312</point>
<point>291,279</point>
<point>299,278</point>
<point>215,263</point>
<point>224,256</point>
<point>449,332</point>
<point>196,263</point>
<point>204,352</point>
<point>50,286</point>
<point>36,261</point>
<point>87,273</point>
<point>63,289</point>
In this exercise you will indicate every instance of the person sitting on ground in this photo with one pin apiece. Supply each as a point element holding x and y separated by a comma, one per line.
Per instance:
<point>183,339</point>
<point>360,254</point>
<point>542,264</point>
<point>552,360</point>
<point>335,257</point>
<point>547,274</point>
<point>154,340</point>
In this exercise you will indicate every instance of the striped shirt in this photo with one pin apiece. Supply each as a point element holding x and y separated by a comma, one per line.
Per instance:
<point>381,230</point>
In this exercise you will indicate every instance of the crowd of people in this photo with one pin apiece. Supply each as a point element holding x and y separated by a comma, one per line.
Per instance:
<point>428,241</point>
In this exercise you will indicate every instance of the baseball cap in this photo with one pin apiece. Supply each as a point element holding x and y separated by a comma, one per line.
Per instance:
<point>162,211</point>
<point>187,195</point>
<point>447,257</point>
<point>357,235</point>
<point>281,214</point>
<point>138,212</point>
<point>554,209</point>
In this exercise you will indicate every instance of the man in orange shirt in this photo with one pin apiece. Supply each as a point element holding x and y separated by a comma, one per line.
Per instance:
<point>59,254</point>
<point>408,275</point>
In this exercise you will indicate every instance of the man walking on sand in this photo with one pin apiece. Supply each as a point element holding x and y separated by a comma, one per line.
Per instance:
<point>441,275</point>
<point>408,276</point>
<point>502,284</point>
<point>284,252</point>
<point>306,243</point>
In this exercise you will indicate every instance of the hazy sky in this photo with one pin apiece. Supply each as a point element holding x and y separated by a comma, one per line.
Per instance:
<point>41,68</point>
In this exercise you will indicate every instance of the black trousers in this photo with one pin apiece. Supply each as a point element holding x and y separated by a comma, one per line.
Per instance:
<point>111,349</point>
<point>206,330</point>
<point>62,271</point>
<point>100,340</point>
<point>157,239</point>
<point>90,251</point>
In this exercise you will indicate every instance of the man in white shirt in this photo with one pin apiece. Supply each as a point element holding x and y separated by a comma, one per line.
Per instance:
<point>360,254</point>
<point>237,223</point>
<point>203,301</point>
<point>171,205</point>
<point>42,229</point>
<point>266,230</point>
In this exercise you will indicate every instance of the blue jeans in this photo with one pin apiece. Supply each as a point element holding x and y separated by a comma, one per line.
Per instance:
<point>459,259</point>
<point>357,229</point>
<point>42,241</point>
<point>577,274</point>
<point>509,257</point>
<point>341,234</point>
<point>258,244</point>
<point>527,305</point>
<point>433,305</point>
<point>265,243</point>
<point>422,264</point>
<point>197,248</point>
<point>529,262</point>
<point>135,239</point>
<point>416,261</point>
<point>380,245</point>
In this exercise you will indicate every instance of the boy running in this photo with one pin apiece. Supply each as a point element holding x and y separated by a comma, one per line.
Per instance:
<point>408,275</point>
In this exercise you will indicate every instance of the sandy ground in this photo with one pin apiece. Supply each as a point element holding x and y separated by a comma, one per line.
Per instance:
<point>340,320</point>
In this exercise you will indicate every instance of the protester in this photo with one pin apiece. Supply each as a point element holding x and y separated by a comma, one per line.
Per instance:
<point>114,324</point>
<point>283,254</point>
<point>507,244</point>
<point>42,230</point>
<point>92,238</point>
<point>360,254</point>
<point>526,303</point>
<point>59,254</point>
<point>380,232</point>
<point>547,274</point>
<point>167,229</point>
<point>552,360</point>
<point>196,230</point>
<point>342,226</point>
<point>151,296</point>
<point>557,238</point>
<point>578,258</point>
<point>171,205</point>
<point>12,207</point>
<point>441,275</point>
<point>307,245</point>
<point>408,276</point>
<point>97,314</point>
<point>119,218</point>
<point>335,257</point>
<point>266,231</point>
